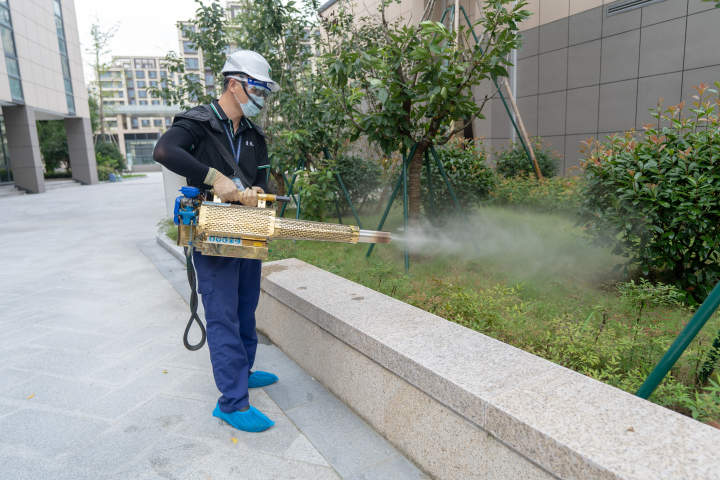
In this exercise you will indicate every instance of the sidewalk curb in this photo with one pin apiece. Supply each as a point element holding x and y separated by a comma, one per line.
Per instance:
<point>170,246</point>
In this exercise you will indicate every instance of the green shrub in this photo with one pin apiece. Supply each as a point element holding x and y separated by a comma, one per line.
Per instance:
<point>655,195</point>
<point>317,189</point>
<point>554,194</point>
<point>514,162</point>
<point>471,179</point>
<point>361,178</point>
<point>108,154</point>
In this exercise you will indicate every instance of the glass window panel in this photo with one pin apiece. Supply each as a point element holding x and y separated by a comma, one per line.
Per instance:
<point>139,74</point>
<point>15,88</point>
<point>58,9</point>
<point>5,16</point>
<point>142,94</point>
<point>70,104</point>
<point>152,74</point>
<point>157,123</point>
<point>8,42</point>
<point>65,68</point>
<point>12,67</point>
<point>140,84</point>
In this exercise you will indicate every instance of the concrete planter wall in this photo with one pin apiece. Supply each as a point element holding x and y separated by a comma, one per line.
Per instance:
<point>463,405</point>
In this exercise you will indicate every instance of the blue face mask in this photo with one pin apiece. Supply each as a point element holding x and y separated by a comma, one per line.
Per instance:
<point>253,106</point>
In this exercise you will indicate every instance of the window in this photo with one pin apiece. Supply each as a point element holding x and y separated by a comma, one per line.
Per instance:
<point>153,83</point>
<point>11,59</point>
<point>152,74</point>
<point>168,121</point>
<point>120,94</point>
<point>130,84</point>
<point>192,64</point>
<point>144,63</point>
<point>64,63</point>
<point>145,123</point>
<point>155,102</point>
<point>143,102</point>
<point>157,123</point>
<point>189,47</point>
<point>139,74</point>
<point>134,123</point>
<point>131,102</point>
<point>131,93</point>
<point>163,74</point>
<point>141,84</point>
<point>209,78</point>
<point>142,94</point>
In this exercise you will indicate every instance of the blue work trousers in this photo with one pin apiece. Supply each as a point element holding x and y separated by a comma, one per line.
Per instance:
<point>230,288</point>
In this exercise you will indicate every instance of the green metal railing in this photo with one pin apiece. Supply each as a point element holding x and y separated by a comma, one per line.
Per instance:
<point>682,341</point>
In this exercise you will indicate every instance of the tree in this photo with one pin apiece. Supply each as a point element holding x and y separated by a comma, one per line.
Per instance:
<point>100,41</point>
<point>94,110</point>
<point>408,85</point>
<point>53,144</point>
<point>299,121</point>
<point>208,32</point>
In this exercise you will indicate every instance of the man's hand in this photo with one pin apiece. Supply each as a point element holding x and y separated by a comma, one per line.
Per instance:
<point>226,189</point>
<point>249,196</point>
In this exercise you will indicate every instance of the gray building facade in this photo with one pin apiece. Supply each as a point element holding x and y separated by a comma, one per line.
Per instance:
<point>599,70</point>
<point>41,78</point>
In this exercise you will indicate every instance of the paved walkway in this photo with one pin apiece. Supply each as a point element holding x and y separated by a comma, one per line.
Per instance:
<point>95,382</point>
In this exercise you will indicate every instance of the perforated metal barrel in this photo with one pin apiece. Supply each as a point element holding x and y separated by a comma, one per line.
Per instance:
<point>317,231</point>
<point>236,220</point>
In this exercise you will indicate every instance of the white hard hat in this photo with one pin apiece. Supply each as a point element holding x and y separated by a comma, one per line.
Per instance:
<point>252,64</point>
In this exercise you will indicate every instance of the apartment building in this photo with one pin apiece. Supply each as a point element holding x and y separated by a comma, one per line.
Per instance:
<point>133,115</point>
<point>41,78</point>
<point>591,68</point>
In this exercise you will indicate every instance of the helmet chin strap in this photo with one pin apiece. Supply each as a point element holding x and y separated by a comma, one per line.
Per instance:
<point>249,97</point>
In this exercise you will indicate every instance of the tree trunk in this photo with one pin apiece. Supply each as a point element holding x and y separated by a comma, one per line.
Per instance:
<point>414,192</point>
<point>277,176</point>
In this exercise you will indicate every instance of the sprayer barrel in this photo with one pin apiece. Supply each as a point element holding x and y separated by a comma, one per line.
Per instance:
<point>374,236</point>
<point>326,232</point>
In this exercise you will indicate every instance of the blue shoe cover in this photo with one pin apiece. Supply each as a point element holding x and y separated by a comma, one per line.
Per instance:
<point>252,420</point>
<point>261,379</point>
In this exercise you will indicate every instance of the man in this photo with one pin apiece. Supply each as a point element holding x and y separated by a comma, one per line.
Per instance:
<point>215,146</point>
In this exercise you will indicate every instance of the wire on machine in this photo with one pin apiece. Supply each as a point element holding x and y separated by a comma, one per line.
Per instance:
<point>193,304</point>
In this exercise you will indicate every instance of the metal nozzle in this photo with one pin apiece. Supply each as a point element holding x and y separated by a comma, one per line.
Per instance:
<point>374,236</point>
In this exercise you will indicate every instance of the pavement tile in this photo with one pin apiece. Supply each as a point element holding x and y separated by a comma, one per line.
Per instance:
<point>10,377</point>
<point>59,393</point>
<point>250,465</point>
<point>70,340</point>
<point>48,433</point>
<point>396,467</point>
<point>345,440</point>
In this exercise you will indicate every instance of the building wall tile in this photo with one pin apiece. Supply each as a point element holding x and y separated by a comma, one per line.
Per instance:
<point>662,11</point>
<point>702,47</point>
<point>553,71</point>
<point>551,114</point>
<point>584,64</point>
<point>553,35</point>
<point>617,106</point>
<point>586,26</point>
<point>620,55</point>
<point>662,47</point>
<point>667,87</point>
<point>582,110</point>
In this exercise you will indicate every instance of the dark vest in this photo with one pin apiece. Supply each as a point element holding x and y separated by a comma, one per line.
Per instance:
<point>213,147</point>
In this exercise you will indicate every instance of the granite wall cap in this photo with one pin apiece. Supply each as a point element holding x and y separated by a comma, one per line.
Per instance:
<point>567,423</point>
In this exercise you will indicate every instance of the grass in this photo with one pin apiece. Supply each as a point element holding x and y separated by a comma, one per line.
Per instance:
<point>133,175</point>
<point>534,281</point>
